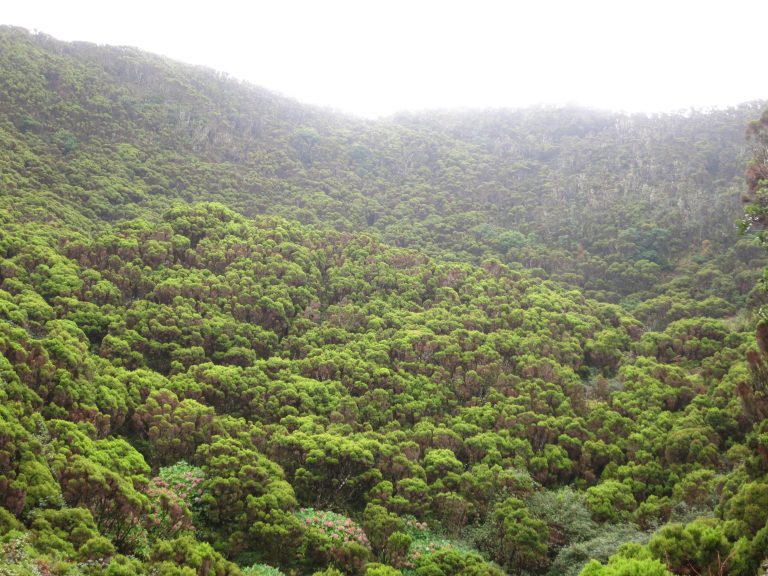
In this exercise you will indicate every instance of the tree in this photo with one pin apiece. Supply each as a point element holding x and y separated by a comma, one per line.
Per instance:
<point>185,555</point>
<point>626,567</point>
<point>699,548</point>
<point>173,428</point>
<point>514,538</point>
<point>245,499</point>
<point>757,177</point>
<point>452,562</point>
<point>117,507</point>
<point>610,501</point>
<point>380,525</point>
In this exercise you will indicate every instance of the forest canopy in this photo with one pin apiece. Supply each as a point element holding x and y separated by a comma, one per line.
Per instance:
<point>239,335</point>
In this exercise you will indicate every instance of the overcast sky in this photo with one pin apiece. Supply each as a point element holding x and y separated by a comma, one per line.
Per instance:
<point>373,58</point>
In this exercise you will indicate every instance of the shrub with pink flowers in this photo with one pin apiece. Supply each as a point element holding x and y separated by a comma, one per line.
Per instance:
<point>175,495</point>
<point>332,539</point>
<point>337,527</point>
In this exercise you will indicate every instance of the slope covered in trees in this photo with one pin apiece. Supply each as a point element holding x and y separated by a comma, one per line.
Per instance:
<point>629,208</point>
<point>196,387</point>
<point>299,371</point>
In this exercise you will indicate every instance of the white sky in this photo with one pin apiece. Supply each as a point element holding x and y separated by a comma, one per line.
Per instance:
<point>373,58</point>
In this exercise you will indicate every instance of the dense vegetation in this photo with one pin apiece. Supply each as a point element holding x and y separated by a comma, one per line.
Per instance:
<point>631,209</point>
<point>391,371</point>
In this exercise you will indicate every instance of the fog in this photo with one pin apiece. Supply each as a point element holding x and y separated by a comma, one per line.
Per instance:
<point>376,58</point>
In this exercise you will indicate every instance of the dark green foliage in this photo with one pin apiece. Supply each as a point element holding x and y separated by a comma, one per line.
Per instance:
<point>380,526</point>
<point>187,556</point>
<point>627,567</point>
<point>514,538</point>
<point>245,500</point>
<point>452,562</point>
<point>698,547</point>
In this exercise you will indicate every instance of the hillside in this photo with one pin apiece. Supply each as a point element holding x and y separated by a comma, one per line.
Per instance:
<point>625,207</point>
<point>239,335</point>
